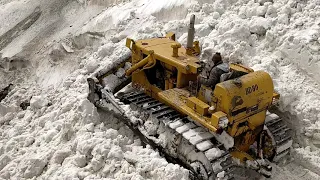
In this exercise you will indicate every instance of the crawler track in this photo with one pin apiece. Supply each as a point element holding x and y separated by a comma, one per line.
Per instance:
<point>281,137</point>
<point>181,138</point>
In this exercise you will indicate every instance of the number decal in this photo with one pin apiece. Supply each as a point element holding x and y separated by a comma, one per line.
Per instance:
<point>251,89</point>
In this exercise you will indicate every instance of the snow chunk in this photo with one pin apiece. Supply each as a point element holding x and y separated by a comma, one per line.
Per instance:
<point>89,110</point>
<point>225,139</point>
<point>261,10</point>
<point>91,65</point>
<point>204,145</point>
<point>271,11</point>
<point>215,15</point>
<point>4,160</point>
<point>195,7</point>
<point>110,81</point>
<point>207,8</point>
<point>57,52</point>
<point>28,141</point>
<point>60,155</point>
<point>151,128</point>
<point>176,124</point>
<point>97,164</point>
<point>221,174</point>
<point>106,50</point>
<point>50,134</point>
<point>116,152</point>
<point>6,109</point>
<point>220,6</point>
<point>67,47</point>
<point>111,134</point>
<point>80,161</point>
<point>203,29</point>
<point>38,101</point>
<point>8,117</point>
<point>259,25</point>
<point>120,73</point>
<point>32,167</point>
<point>213,153</point>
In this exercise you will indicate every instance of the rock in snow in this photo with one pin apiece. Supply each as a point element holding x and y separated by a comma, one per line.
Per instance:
<point>63,136</point>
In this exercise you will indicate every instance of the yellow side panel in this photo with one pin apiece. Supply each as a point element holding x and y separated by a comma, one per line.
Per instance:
<point>215,117</point>
<point>197,105</point>
<point>253,121</point>
<point>177,99</point>
<point>245,96</point>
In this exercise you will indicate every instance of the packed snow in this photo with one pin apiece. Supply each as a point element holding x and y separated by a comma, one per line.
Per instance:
<point>61,135</point>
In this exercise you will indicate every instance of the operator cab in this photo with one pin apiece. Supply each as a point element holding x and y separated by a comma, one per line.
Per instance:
<point>205,93</point>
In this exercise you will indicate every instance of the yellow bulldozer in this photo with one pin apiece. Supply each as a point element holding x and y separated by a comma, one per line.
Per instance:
<point>211,131</point>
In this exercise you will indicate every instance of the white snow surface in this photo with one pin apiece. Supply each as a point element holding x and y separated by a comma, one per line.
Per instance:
<point>62,136</point>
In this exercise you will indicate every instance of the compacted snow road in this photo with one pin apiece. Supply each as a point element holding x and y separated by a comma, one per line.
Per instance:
<point>48,128</point>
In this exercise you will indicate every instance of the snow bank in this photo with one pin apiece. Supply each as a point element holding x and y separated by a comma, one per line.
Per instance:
<point>62,136</point>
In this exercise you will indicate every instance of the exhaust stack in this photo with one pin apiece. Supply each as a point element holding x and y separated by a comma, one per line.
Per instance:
<point>191,32</point>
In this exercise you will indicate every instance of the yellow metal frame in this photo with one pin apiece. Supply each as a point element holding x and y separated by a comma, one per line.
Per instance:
<point>198,106</point>
<point>146,63</point>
